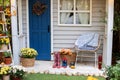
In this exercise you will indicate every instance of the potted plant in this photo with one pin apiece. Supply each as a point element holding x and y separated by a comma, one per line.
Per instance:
<point>113,72</point>
<point>28,56</point>
<point>7,57</point>
<point>5,72</point>
<point>17,73</point>
<point>4,43</point>
<point>5,33</point>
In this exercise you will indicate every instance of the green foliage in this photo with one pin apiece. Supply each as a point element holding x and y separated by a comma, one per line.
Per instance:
<point>1,30</point>
<point>113,72</point>
<point>116,21</point>
<point>4,32</point>
<point>7,54</point>
<point>17,72</point>
<point>117,15</point>
<point>116,55</point>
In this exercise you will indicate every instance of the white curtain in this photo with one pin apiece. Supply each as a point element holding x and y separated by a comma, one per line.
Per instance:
<point>83,5</point>
<point>65,5</point>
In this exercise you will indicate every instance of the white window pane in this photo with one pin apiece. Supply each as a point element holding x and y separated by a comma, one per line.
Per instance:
<point>66,5</point>
<point>66,18</point>
<point>82,18</point>
<point>82,4</point>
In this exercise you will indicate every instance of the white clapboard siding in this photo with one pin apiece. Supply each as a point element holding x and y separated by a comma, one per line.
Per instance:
<point>71,28</point>
<point>65,36</point>
<point>24,20</point>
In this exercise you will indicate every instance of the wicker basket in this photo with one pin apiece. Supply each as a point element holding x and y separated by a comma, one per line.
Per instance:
<point>70,58</point>
<point>27,62</point>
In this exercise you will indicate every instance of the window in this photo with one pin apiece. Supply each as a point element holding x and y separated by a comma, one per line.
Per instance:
<point>74,12</point>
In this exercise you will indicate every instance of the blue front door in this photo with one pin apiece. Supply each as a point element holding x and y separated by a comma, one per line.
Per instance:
<point>39,30</point>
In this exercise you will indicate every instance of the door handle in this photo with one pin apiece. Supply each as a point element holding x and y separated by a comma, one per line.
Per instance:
<point>48,28</point>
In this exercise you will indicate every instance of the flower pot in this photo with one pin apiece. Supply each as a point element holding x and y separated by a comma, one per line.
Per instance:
<point>15,78</point>
<point>4,47</point>
<point>8,60</point>
<point>6,77</point>
<point>27,62</point>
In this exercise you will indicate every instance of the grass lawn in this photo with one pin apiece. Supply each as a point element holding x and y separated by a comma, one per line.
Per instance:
<point>55,77</point>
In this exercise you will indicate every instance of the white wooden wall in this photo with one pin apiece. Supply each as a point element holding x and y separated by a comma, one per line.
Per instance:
<point>24,20</point>
<point>65,36</point>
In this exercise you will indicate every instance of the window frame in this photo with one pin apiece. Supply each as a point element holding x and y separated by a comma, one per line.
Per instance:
<point>74,11</point>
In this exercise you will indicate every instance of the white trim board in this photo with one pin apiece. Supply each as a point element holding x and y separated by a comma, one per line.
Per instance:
<point>27,13</point>
<point>74,11</point>
<point>51,28</point>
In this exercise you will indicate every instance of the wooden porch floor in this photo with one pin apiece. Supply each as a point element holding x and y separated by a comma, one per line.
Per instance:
<point>80,69</point>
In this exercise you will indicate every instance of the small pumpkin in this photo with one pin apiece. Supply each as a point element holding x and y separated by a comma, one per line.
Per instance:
<point>72,67</point>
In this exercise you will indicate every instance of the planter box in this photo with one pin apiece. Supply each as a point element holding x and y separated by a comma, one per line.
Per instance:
<point>70,58</point>
<point>27,62</point>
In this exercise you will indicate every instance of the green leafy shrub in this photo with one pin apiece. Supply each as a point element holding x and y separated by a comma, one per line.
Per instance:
<point>113,72</point>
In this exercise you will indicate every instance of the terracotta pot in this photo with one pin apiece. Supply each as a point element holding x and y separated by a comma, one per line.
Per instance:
<point>27,62</point>
<point>15,78</point>
<point>8,60</point>
<point>1,35</point>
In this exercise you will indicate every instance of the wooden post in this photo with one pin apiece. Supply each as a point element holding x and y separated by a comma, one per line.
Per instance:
<point>107,52</point>
<point>14,27</point>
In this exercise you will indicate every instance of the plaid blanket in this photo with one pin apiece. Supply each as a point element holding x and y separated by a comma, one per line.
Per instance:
<point>87,41</point>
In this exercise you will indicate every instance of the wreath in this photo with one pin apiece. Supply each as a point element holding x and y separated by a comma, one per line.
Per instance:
<point>38,8</point>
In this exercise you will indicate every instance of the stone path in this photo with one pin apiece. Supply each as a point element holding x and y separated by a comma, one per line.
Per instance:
<point>46,67</point>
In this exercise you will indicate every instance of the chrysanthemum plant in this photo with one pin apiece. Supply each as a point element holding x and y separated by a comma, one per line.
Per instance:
<point>5,70</point>
<point>28,53</point>
<point>17,71</point>
<point>5,41</point>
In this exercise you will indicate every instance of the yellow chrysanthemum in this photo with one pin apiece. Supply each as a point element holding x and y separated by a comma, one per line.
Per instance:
<point>91,78</point>
<point>5,70</point>
<point>28,52</point>
<point>4,40</point>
